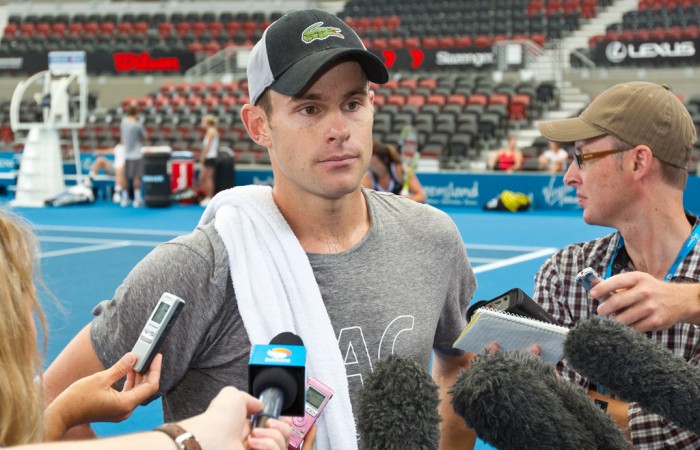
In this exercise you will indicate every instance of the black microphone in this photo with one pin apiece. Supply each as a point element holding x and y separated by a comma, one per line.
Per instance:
<point>514,400</point>
<point>398,407</point>
<point>636,369</point>
<point>277,376</point>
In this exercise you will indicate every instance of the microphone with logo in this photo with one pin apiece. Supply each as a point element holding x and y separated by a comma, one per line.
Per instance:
<point>277,376</point>
<point>636,369</point>
<point>398,407</point>
<point>514,400</point>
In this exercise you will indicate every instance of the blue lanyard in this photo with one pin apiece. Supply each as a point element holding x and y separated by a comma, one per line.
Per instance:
<point>687,248</point>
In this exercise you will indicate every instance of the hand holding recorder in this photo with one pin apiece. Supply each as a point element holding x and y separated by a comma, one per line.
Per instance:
<point>94,399</point>
<point>640,301</point>
<point>317,397</point>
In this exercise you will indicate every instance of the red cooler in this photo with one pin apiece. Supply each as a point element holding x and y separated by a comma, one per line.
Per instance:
<point>182,176</point>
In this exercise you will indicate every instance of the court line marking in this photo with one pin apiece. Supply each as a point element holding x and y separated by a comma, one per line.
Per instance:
<point>109,244</point>
<point>511,248</point>
<point>479,260</point>
<point>543,252</point>
<point>110,230</point>
<point>73,240</point>
<point>87,249</point>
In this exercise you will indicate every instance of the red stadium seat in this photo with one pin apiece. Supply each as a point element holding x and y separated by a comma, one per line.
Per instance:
<point>396,100</point>
<point>430,42</point>
<point>379,99</point>
<point>499,99</point>
<point>478,99</point>
<point>446,42</point>
<point>410,83</point>
<point>396,42</point>
<point>430,83</point>
<point>10,29</point>
<point>436,99</point>
<point>411,42</point>
<point>457,99</point>
<point>415,99</point>
<point>482,41</point>
<point>463,41</point>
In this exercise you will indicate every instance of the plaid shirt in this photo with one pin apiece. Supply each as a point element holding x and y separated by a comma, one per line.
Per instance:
<point>558,293</point>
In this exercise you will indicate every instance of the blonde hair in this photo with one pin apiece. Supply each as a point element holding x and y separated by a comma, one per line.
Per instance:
<point>210,120</point>
<point>21,405</point>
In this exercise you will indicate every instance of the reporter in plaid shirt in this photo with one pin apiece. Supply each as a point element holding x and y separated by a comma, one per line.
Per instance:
<point>633,145</point>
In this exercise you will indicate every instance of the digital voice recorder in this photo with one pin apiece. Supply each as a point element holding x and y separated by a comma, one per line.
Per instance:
<point>317,396</point>
<point>156,329</point>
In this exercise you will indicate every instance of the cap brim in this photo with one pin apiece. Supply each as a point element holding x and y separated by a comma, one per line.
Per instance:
<point>299,77</point>
<point>569,130</point>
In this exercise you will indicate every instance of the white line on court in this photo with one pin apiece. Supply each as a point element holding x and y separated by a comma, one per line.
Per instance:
<point>507,248</point>
<point>89,248</point>
<point>482,260</point>
<point>110,230</point>
<point>543,252</point>
<point>74,240</point>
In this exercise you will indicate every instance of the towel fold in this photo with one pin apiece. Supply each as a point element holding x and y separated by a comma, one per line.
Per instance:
<point>276,291</point>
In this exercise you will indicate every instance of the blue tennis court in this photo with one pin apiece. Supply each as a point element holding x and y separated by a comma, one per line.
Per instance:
<point>87,250</point>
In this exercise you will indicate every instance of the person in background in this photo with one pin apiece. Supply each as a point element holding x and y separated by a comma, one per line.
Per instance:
<point>387,174</point>
<point>349,270</point>
<point>23,419</point>
<point>104,165</point>
<point>633,145</point>
<point>207,157</point>
<point>508,159</point>
<point>554,159</point>
<point>132,136</point>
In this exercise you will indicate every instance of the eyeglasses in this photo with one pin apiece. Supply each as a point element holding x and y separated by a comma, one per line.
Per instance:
<point>581,157</point>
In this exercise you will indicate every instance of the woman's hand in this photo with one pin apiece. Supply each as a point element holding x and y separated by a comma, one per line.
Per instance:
<point>94,398</point>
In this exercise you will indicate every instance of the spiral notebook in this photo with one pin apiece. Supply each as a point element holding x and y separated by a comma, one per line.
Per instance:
<point>513,333</point>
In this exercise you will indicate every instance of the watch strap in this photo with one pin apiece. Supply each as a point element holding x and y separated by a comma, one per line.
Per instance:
<point>183,438</point>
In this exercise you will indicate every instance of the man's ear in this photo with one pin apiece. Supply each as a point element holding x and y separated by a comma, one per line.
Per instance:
<point>256,124</point>
<point>642,161</point>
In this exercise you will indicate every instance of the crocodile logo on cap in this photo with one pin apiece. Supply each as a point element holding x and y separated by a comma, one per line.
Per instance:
<point>318,32</point>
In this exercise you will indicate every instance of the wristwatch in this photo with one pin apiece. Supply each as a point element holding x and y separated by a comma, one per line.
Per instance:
<point>183,438</point>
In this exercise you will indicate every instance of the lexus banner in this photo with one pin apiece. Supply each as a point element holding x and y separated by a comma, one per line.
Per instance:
<point>646,53</point>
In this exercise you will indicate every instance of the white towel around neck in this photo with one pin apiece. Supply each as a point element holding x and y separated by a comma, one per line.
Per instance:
<point>276,291</point>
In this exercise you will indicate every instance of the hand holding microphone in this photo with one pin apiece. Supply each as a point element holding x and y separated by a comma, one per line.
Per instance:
<point>277,376</point>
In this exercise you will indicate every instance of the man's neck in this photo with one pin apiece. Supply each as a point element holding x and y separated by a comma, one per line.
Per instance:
<point>654,244</point>
<point>325,225</point>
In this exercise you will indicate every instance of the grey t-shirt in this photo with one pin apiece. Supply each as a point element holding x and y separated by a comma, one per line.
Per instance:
<point>403,289</point>
<point>132,133</point>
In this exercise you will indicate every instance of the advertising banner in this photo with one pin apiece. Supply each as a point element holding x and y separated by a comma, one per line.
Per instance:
<point>647,53</point>
<point>437,58</point>
<point>103,62</point>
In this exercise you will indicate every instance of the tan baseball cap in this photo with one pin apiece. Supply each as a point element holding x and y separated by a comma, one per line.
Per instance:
<point>637,112</point>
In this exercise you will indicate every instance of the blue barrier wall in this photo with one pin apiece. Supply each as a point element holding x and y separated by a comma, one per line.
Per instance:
<point>475,189</point>
<point>459,189</point>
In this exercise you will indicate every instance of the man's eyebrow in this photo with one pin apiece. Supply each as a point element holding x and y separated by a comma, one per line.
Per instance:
<point>315,96</point>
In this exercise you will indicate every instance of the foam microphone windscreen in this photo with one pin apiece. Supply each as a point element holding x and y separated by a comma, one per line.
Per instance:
<point>636,369</point>
<point>514,400</point>
<point>398,407</point>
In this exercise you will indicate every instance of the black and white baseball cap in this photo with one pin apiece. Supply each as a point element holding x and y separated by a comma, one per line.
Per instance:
<point>299,45</point>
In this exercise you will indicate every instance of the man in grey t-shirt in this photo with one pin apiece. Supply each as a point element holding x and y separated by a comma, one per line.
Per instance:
<point>132,135</point>
<point>393,274</point>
